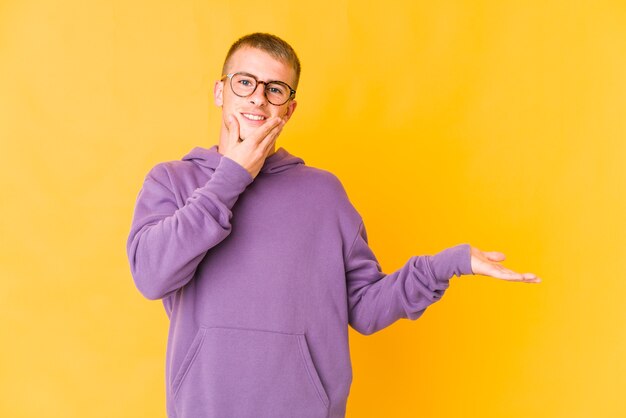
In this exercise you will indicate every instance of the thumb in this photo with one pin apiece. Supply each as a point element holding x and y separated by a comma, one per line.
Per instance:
<point>233,128</point>
<point>495,256</point>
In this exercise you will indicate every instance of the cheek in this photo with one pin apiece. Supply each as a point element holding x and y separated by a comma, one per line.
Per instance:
<point>279,111</point>
<point>229,101</point>
<point>284,112</point>
<point>229,107</point>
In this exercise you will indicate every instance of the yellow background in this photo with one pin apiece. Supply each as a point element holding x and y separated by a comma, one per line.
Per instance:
<point>498,123</point>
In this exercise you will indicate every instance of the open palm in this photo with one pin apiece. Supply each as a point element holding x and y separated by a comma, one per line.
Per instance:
<point>487,263</point>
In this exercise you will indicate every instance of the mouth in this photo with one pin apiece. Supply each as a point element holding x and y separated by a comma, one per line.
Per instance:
<point>253,117</point>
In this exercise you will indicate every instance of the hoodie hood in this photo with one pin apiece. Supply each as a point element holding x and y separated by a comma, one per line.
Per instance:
<point>280,160</point>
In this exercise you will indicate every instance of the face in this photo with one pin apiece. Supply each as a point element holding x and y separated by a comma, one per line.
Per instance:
<point>253,111</point>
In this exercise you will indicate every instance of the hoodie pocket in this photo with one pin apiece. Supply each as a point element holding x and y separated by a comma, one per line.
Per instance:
<point>234,372</point>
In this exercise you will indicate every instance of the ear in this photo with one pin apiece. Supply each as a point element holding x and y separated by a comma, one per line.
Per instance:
<point>218,93</point>
<point>291,107</point>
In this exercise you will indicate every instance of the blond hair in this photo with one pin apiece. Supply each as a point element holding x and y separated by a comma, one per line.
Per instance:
<point>269,43</point>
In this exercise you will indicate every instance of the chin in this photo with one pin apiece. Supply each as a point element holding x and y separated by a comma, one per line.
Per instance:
<point>244,134</point>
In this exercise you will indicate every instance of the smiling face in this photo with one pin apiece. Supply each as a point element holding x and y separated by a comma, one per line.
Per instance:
<point>253,111</point>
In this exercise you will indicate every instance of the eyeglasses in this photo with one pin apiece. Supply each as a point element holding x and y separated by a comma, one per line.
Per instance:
<point>244,85</point>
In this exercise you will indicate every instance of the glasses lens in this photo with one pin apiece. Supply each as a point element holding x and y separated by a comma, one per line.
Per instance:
<point>277,93</point>
<point>243,85</point>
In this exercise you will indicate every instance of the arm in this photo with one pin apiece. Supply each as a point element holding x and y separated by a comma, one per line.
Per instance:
<point>166,243</point>
<point>376,300</point>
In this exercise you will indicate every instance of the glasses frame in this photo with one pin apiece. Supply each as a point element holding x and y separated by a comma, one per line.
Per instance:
<point>230,76</point>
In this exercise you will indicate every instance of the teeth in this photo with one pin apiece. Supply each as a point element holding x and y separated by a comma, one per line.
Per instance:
<point>253,117</point>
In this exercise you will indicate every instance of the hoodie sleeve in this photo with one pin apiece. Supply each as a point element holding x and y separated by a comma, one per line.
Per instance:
<point>167,242</point>
<point>377,300</point>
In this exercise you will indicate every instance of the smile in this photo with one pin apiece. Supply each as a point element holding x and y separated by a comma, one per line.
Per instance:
<point>253,117</point>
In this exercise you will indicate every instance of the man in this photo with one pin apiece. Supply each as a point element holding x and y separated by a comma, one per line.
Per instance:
<point>262,262</point>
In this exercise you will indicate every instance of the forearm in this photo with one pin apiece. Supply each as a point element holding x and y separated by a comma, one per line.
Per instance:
<point>377,299</point>
<point>167,244</point>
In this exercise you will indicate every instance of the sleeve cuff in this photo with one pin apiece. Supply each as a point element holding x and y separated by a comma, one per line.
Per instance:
<point>234,170</point>
<point>454,261</point>
<point>228,181</point>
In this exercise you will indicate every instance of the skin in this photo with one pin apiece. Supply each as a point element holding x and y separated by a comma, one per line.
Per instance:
<point>487,263</point>
<point>245,141</point>
<point>249,143</point>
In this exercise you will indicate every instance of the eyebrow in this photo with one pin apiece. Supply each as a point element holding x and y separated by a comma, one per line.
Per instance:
<point>269,81</point>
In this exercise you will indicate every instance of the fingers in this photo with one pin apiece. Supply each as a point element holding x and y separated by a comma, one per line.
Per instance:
<point>489,255</point>
<point>498,271</point>
<point>270,138</point>
<point>530,278</point>
<point>494,256</point>
<point>487,263</point>
<point>264,130</point>
<point>233,129</point>
<point>509,275</point>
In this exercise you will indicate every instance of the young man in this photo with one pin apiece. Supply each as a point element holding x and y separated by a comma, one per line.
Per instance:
<point>262,262</point>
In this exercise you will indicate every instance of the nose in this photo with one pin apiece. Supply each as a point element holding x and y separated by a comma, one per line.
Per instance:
<point>258,95</point>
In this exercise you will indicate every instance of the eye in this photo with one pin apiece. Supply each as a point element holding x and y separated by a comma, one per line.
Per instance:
<point>244,81</point>
<point>276,89</point>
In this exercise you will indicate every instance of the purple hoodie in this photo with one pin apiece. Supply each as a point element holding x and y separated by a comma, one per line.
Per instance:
<point>260,279</point>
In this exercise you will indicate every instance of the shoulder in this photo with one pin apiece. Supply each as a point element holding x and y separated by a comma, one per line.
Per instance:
<point>171,173</point>
<point>324,186</point>
<point>323,179</point>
